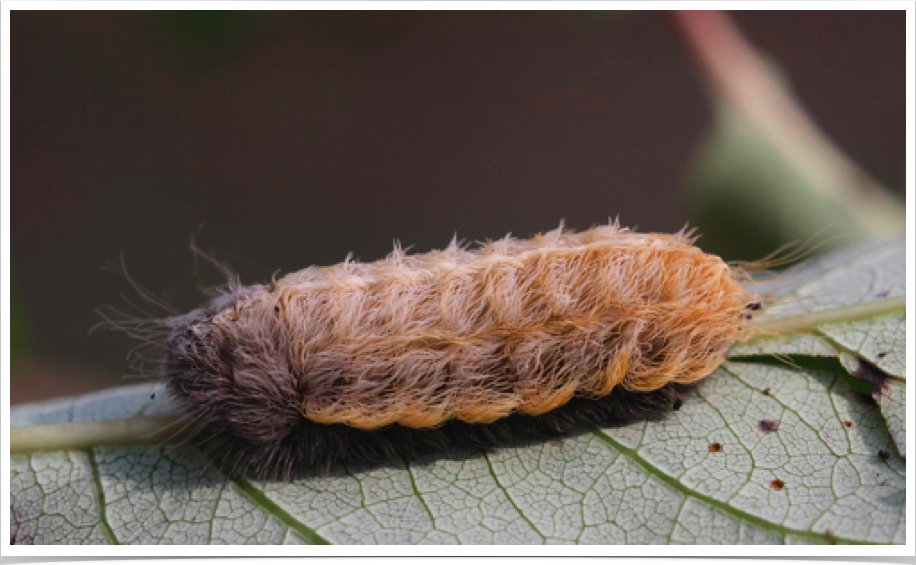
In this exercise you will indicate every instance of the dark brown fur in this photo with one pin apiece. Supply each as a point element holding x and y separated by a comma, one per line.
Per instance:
<point>251,403</point>
<point>311,447</point>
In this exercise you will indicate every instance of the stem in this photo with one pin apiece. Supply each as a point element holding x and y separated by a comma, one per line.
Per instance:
<point>807,323</point>
<point>84,435</point>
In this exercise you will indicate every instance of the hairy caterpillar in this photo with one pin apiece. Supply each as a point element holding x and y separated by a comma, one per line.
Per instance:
<point>361,361</point>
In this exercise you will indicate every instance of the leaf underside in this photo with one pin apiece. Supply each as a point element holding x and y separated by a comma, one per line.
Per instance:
<point>761,453</point>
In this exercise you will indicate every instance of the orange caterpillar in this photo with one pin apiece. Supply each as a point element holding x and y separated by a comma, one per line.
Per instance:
<point>454,339</point>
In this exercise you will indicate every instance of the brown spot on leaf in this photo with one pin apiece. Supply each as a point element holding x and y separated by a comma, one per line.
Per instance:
<point>847,424</point>
<point>884,454</point>
<point>17,536</point>
<point>768,426</point>
<point>777,484</point>
<point>830,538</point>
<point>766,390</point>
<point>715,447</point>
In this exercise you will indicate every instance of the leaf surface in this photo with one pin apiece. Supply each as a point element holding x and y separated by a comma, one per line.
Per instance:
<point>759,453</point>
<point>872,273</point>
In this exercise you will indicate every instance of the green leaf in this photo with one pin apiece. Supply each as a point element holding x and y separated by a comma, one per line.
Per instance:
<point>747,199</point>
<point>760,453</point>
<point>870,276</point>
<point>893,408</point>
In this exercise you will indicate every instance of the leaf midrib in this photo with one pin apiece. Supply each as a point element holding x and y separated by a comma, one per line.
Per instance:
<point>809,322</point>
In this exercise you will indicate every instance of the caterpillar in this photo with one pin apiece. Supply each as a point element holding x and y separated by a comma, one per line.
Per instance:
<point>470,346</point>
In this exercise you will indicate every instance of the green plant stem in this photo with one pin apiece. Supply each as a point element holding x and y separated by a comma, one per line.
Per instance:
<point>808,323</point>
<point>85,435</point>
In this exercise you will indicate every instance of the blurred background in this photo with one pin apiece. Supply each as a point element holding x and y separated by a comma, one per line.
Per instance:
<point>280,140</point>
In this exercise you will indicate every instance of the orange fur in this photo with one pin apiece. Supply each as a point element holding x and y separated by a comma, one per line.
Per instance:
<point>515,326</point>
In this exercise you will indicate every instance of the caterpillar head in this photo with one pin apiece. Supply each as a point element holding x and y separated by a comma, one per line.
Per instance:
<point>224,367</point>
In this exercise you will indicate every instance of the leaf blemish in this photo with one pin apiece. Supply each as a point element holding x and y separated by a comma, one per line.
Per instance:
<point>715,447</point>
<point>884,454</point>
<point>16,536</point>
<point>847,424</point>
<point>777,484</point>
<point>766,391</point>
<point>768,426</point>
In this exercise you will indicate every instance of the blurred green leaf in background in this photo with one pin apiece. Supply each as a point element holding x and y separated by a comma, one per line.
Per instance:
<point>766,175</point>
<point>749,201</point>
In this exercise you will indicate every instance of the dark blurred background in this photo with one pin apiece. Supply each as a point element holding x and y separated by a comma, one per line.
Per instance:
<point>285,139</point>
